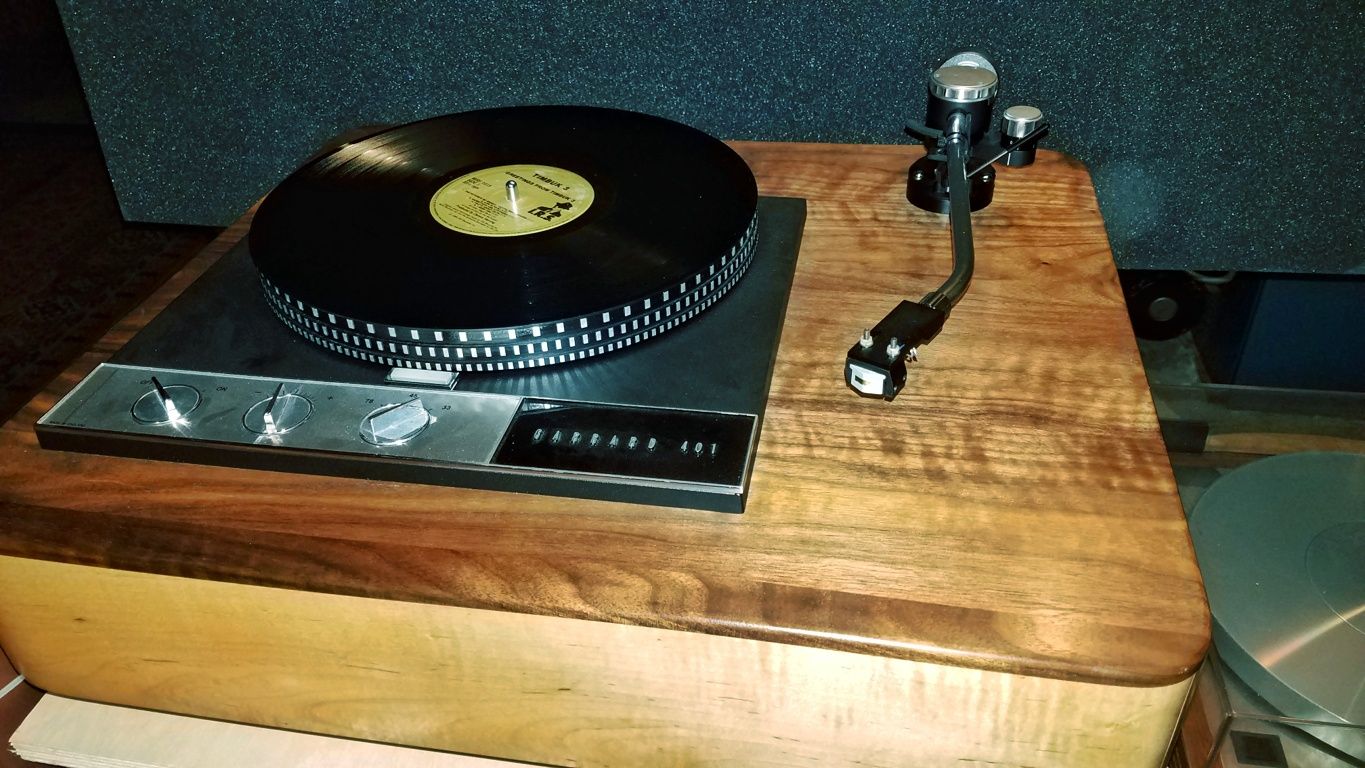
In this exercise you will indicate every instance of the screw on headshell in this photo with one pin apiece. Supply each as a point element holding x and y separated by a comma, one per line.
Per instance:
<point>894,348</point>
<point>866,340</point>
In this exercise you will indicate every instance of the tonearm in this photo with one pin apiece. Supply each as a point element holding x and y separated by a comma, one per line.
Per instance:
<point>956,176</point>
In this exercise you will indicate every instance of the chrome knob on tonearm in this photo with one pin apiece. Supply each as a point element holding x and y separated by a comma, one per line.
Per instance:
<point>962,92</point>
<point>1019,134</point>
<point>965,83</point>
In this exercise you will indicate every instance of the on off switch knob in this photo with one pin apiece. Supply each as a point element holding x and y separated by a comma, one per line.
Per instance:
<point>165,404</point>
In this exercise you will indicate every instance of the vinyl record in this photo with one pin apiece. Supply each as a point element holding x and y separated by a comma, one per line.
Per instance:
<point>506,238</point>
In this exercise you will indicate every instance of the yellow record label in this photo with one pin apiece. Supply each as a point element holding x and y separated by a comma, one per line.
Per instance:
<point>511,200</point>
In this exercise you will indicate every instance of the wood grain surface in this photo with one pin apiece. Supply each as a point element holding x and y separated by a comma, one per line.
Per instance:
<point>83,734</point>
<point>1013,510</point>
<point>548,689</point>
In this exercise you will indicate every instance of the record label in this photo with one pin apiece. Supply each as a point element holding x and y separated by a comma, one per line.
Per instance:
<point>511,200</point>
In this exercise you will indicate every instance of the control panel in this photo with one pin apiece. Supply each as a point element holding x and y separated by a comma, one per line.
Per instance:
<point>438,436</point>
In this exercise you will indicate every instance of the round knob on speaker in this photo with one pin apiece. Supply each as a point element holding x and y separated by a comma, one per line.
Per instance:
<point>1020,120</point>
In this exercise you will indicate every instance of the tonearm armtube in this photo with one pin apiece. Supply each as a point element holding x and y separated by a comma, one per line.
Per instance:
<point>955,176</point>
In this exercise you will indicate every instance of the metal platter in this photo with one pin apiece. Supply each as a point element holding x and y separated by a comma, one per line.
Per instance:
<point>1281,543</point>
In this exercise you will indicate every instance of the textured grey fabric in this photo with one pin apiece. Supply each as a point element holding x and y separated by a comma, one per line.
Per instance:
<point>1219,135</point>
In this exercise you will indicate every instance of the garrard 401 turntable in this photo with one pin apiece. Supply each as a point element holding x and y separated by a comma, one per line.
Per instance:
<point>504,299</point>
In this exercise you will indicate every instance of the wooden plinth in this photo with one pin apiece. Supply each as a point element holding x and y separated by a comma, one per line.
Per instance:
<point>995,567</point>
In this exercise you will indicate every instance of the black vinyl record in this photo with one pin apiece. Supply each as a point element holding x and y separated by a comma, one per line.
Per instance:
<point>506,237</point>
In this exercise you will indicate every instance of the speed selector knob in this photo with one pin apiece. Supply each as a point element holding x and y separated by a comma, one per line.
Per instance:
<point>395,423</point>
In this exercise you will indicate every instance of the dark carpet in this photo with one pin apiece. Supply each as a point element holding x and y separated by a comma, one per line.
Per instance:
<point>70,266</point>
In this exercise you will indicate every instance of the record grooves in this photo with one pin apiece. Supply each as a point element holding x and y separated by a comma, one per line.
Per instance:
<point>506,238</point>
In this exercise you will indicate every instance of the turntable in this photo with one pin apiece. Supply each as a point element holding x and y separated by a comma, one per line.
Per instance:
<point>1281,543</point>
<point>534,333</point>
